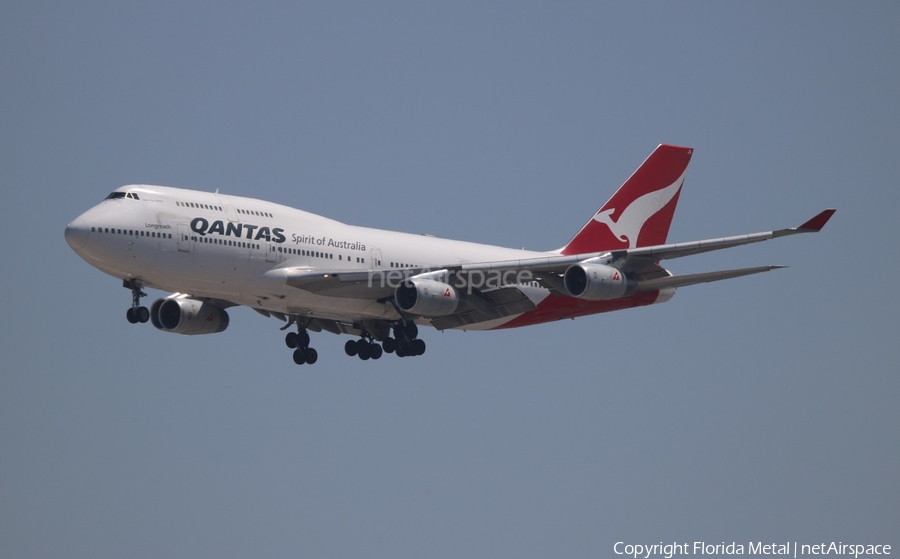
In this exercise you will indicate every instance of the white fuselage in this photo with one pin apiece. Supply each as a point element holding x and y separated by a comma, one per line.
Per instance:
<point>221,247</point>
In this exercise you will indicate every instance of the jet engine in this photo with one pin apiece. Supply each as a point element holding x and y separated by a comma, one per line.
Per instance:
<point>187,316</point>
<point>597,282</point>
<point>426,297</point>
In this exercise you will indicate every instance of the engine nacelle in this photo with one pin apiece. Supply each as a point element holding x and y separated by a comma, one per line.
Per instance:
<point>187,316</point>
<point>426,297</point>
<point>597,282</point>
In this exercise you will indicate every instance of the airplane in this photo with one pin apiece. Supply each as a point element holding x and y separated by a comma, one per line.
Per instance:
<point>312,273</point>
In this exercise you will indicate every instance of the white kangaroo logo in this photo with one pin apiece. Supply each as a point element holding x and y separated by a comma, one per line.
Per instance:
<point>629,225</point>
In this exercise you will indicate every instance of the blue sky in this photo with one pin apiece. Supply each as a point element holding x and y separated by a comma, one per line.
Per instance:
<point>762,408</point>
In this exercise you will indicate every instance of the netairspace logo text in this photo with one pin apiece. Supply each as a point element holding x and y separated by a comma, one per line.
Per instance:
<point>786,549</point>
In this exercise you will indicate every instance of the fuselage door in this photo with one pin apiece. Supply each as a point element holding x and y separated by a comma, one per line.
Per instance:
<point>270,251</point>
<point>184,238</point>
<point>230,212</point>
<point>375,258</point>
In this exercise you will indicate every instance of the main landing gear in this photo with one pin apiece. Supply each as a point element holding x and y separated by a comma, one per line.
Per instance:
<point>365,348</point>
<point>299,342</point>
<point>404,343</point>
<point>375,340</point>
<point>136,313</point>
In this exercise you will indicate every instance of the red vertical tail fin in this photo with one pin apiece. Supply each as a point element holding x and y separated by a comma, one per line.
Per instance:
<point>640,212</point>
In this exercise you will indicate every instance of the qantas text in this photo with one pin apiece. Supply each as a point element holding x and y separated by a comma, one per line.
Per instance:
<point>240,230</point>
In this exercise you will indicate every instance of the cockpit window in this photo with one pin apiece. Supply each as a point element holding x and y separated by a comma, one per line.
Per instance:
<point>117,195</point>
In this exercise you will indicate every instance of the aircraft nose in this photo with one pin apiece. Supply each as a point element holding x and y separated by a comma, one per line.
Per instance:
<point>77,234</point>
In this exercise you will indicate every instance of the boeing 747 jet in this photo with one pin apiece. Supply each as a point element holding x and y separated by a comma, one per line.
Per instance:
<point>313,273</point>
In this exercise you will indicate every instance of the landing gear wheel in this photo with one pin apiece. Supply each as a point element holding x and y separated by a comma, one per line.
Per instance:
<point>290,339</point>
<point>404,348</point>
<point>350,348</point>
<point>131,316</point>
<point>375,351</point>
<point>142,314</point>
<point>418,346</point>
<point>363,350</point>
<point>299,356</point>
<point>389,345</point>
<point>311,355</point>
<point>303,338</point>
<point>411,330</point>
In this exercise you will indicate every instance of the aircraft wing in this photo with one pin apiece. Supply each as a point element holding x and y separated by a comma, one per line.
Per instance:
<point>677,250</point>
<point>642,262</point>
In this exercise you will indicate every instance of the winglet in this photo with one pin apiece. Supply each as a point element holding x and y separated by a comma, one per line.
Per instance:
<point>816,224</point>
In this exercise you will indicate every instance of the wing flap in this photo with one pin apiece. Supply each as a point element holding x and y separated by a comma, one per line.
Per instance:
<point>706,277</point>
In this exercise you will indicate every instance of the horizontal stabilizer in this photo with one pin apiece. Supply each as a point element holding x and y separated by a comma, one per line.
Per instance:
<point>706,277</point>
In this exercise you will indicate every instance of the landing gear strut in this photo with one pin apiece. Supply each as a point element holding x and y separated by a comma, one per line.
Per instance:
<point>136,313</point>
<point>299,342</point>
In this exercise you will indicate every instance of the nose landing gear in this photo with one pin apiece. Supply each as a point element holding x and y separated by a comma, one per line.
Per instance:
<point>136,313</point>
